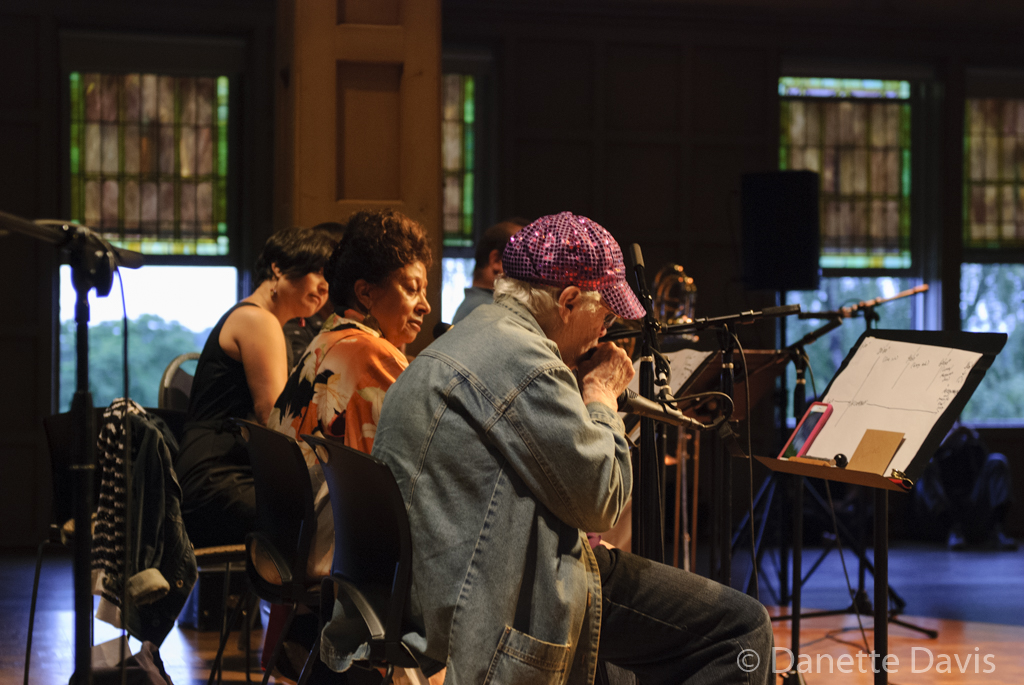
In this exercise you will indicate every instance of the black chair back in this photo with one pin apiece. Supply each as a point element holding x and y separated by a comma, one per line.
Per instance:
<point>372,541</point>
<point>62,439</point>
<point>284,496</point>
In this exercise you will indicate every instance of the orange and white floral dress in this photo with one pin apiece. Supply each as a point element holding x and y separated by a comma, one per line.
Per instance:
<point>336,390</point>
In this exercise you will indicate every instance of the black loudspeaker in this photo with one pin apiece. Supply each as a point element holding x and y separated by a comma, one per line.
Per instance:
<point>781,233</point>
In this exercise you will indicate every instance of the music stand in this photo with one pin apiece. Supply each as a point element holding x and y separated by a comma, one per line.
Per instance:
<point>933,374</point>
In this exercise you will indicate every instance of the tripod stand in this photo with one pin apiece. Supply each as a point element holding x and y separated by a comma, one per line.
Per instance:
<point>93,262</point>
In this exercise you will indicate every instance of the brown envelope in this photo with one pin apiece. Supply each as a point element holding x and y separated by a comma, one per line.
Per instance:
<point>875,451</point>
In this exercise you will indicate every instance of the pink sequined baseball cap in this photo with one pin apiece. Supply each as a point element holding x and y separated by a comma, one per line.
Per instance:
<point>566,249</point>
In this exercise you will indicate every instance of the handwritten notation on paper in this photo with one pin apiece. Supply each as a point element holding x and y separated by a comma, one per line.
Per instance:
<point>894,386</point>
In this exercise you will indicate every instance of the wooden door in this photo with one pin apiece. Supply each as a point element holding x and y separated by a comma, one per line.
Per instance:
<point>358,115</point>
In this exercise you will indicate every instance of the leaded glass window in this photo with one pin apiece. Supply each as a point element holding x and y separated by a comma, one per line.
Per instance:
<point>149,160</point>
<point>457,155</point>
<point>994,173</point>
<point>855,133</point>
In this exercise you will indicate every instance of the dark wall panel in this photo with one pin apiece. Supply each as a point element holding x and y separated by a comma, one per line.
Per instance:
<point>19,171</point>
<point>641,191</point>
<point>552,177</point>
<point>18,59</point>
<point>716,190</point>
<point>553,87</point>
<point>643,88</point>
<point>20,397</point>
<point>19,468</point>
<point>731,90</point>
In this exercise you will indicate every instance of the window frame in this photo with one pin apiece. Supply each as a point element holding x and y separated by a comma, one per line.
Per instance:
<point>480,64</point>
<point>172,55</point>
<point>982,83</point>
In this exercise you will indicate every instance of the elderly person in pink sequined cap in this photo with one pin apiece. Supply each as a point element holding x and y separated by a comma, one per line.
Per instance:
<point>505,442</point>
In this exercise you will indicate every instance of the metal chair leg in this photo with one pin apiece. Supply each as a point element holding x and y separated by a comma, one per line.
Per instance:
<point>314,656</point>
<point>218,660</point>
<point>32,611</point>
<point>280,643</point>
<point>225,627</point>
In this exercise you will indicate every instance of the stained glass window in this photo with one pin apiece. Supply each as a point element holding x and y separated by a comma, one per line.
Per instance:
<point>149,160</point>
<point>856,134</point>
<point>457,156</point>
<point>994,173</point>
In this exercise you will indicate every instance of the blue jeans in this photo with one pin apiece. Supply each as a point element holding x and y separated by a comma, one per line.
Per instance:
<point>670,626</point>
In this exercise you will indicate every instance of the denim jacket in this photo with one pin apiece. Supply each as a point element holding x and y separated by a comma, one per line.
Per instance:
<point>502,466</point>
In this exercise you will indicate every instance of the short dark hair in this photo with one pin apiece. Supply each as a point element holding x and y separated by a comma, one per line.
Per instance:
<point>375,244</point>
<point>331,228</point>
<point>295,252</point>
<point>496,238</point>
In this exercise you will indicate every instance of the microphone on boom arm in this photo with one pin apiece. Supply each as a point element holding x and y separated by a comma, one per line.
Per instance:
<point>631,403</point>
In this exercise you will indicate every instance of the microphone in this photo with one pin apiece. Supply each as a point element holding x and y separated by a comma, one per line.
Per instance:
<point>631,403</point>
<point>440,328</point>
<point>784,310</point>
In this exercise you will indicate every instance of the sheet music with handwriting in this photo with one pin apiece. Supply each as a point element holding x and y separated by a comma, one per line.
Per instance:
<point>892,386</point>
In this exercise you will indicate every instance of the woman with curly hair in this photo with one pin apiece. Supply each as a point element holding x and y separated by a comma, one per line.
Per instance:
<point>378,285</point>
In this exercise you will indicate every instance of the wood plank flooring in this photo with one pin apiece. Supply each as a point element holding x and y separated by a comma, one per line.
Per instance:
<point>948,586</point>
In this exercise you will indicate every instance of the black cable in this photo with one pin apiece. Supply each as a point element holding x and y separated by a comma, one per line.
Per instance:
<point>750,468</point>
<point>128,484</point>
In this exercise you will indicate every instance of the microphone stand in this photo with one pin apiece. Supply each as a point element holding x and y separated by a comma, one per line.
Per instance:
<point>720,563</point>
<point>648,517</point>
<point>93,262</point>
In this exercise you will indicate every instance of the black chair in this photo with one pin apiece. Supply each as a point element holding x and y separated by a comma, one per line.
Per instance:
<point>277,553</point>
<point>176,383</point>
<point>222,558</point>
<point>372,549</point>
<point>61,438</point>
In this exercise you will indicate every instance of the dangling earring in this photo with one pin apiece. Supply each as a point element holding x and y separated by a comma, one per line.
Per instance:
<point>273,290</point>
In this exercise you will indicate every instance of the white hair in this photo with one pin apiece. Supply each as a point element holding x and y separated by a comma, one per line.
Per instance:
<point>540,300</point>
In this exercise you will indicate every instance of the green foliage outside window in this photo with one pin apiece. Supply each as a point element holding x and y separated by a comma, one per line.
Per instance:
<point>991,300</point>
<point>152,344</point>
<point>828,352</point>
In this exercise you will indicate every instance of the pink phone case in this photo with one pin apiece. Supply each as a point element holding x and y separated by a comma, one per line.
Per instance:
<point>809,437</point>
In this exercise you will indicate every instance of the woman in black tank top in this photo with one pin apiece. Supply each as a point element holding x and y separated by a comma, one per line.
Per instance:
<point>242,369</point>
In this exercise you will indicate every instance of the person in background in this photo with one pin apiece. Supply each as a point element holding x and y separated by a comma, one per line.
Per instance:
<point>966,490</point>
<point>488,266</point>
<point>378,290</point>
<point>241,371</point>
<point>299,332</point>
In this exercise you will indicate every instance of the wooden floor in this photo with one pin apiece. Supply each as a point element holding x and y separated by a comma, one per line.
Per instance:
<point>954,584</point>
